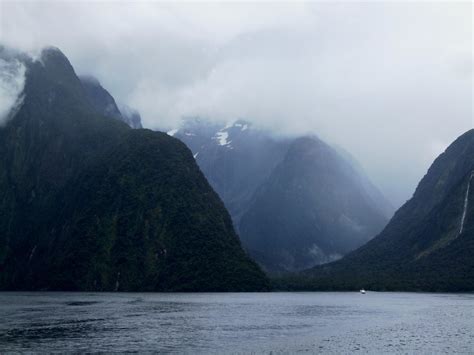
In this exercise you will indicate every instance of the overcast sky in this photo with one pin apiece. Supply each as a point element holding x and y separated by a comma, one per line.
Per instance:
<point>389,82</point>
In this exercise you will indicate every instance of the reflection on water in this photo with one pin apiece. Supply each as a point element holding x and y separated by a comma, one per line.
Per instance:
<point>245,322</point>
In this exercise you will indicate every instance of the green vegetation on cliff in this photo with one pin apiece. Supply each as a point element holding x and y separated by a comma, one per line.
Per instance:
<point>427,246</point>
<point>87,203</point>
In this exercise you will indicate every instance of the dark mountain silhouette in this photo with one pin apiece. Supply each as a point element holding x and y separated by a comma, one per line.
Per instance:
<point>87,203</point>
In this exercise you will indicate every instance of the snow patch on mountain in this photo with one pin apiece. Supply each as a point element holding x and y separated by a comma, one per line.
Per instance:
<point>222,137</point>
<point>242,126</point>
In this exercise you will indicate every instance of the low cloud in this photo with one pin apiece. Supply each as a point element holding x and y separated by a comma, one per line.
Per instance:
<point>12,82</point>
<point>390,82</point>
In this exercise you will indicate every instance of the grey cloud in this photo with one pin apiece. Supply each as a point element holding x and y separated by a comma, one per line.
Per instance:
<point>389,82</point>
<point>12,81</point>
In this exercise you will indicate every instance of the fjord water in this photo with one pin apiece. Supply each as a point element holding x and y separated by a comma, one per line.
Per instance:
<point>237,322</point>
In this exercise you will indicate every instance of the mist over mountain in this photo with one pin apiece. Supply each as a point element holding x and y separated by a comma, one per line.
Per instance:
<point>87,203</point>
<point>429,243</point>
<point>391,82</point>
<point>312,209</point>
<point>105,104</point>
<point>295,201</point>
<point>235,158</point>
<point>12,81</point>
<point>131,116</point>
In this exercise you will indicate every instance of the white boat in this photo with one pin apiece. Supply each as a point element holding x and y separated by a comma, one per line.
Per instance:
<point>362,291</point>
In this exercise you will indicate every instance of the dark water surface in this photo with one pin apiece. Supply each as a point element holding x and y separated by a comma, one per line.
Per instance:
<point>237,322</point>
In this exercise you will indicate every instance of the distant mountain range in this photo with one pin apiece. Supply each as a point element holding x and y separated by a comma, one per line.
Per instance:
<point>87,203</point>
<point>427,246</point>
<point>296,202</point>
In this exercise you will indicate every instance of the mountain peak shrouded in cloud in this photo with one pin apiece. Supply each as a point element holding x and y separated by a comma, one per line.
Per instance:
<point>295,201</point>
<point>389,82</point>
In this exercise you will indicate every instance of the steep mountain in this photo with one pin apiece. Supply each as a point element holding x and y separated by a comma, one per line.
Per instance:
<point>296,202</point>
<point>88,203</point>
<point>105,104</point>
<point>429,243</point>
<point>311,210</point>
<point>381,202</point>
